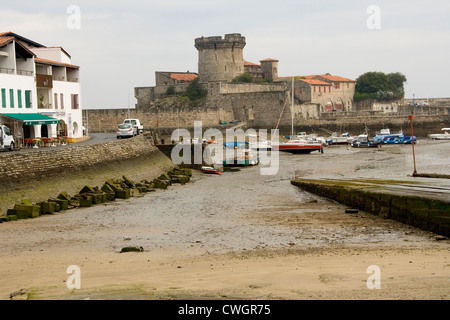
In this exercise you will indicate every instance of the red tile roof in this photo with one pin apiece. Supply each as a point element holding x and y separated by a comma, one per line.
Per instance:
<point>334,78</point>
<point>269,60</point>
<point>21,38</point>
<point>306,79</point>
<point>316,82</point>
<point>5,40</point>
<point>246,63</point>
<point>319,77</point>
<point>183,76</point>
<point>46,61</point>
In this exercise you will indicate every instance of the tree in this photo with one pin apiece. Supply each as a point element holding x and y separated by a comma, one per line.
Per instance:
<point>381,86</point>
<point>396,80</point>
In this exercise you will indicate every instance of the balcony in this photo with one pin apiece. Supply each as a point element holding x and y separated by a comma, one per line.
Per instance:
<point>7,70</point>
<point>44,81</point>
<point>25,73</point>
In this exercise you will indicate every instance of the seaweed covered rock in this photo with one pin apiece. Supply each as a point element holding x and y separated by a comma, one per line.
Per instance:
<point>64,196</point>
<point>180,179</point>
<point>31,211</point>
<point>132,249</point>
<point>63,204</point>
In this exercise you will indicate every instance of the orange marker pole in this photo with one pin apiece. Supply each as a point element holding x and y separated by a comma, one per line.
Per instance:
<point>411,117</point>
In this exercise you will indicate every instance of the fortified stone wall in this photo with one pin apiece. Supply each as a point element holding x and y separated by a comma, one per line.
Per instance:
<point>36,176</point>
<point>107,120</point>
<point>146,95</point>
<point>258,105</point>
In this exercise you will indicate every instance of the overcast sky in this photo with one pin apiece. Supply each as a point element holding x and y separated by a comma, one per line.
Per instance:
<point>120,44</point>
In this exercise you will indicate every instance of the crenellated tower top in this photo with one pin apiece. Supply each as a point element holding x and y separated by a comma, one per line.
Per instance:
<point>220,59</point>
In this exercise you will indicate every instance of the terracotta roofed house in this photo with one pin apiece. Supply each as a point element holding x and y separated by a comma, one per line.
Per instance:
<point>331,93</point>
<point>39,82</point>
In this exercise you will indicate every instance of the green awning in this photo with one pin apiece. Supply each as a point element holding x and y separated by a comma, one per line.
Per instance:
<point>31,118</point>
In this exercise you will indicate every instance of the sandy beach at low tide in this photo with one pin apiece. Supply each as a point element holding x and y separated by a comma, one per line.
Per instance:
<point>241,235</point>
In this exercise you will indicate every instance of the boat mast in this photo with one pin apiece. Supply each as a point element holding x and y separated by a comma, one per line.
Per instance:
<point>292,109</point>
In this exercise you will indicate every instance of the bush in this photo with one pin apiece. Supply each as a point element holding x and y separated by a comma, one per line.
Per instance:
<point>170,91</point>
<point>245,78</point>
<point>194,91</point>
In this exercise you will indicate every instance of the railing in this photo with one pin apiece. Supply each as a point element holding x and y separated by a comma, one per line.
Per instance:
<point>7,70</point>
<point>59,78</point>
<point>72,79</point>
<point>25,72</point>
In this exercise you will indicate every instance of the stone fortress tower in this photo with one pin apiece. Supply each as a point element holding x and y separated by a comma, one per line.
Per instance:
<point>220,59</point>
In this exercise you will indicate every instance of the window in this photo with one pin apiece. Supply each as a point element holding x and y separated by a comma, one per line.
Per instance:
<point>300,88</point>
<point>314,88</point>
<point>61,98</point>
<point>337,85</point>
<point>329,89</point>
<point>74,101</point>
<point>56,100</point>
<point>4,98</point>
<point>11,98</point>
<point>19,98</point>
<point>27,98</point>
<point>7,131</point>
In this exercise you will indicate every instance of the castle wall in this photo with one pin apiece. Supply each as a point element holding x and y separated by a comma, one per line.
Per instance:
<point>259,105</point>
<point>107,120</point>
<point>146,95</point>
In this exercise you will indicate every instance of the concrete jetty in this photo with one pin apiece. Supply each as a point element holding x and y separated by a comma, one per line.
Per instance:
<point>420,202</point>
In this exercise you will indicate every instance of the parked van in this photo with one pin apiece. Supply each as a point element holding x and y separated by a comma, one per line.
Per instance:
<point>6,139</point>
<point>135,123</point>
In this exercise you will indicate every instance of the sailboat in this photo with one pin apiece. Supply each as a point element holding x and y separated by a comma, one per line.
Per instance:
<point>296,146</point>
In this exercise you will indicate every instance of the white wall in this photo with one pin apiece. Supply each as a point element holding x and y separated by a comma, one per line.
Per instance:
<point>69,115</point>
<point>55,54</point>
<point>16,82</point>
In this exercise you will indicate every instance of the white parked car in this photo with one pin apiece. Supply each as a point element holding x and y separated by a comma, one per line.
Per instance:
<point>6,139</point>
<point>137,123</point>
<point>126,130</point>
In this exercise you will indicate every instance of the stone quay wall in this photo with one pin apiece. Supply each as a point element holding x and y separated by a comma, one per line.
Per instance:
<point>356,122</point>
<point>421,212</point>
<point>38,175</point>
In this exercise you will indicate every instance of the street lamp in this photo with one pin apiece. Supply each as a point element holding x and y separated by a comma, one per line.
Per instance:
<point>411,117</point>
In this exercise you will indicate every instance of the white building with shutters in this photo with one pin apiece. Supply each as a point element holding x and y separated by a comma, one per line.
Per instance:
<point>37,81</point>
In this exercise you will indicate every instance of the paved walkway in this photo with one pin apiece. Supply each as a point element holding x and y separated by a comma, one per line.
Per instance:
<point>94,138</point>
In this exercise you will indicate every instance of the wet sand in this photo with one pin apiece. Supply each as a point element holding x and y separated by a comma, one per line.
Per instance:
<point>241,235</point>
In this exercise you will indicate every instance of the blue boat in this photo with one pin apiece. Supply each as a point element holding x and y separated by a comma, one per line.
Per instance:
<point>236,145</point>
<point>386,137</point>
<point>242,155</point>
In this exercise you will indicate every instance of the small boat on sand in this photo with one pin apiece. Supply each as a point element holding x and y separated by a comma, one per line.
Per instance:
<point>298,147</point>
<point>241,155</point>
<point>211,170</point>
<point>340,139</point>
<point>363,141</point>
<point>441,136</point>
